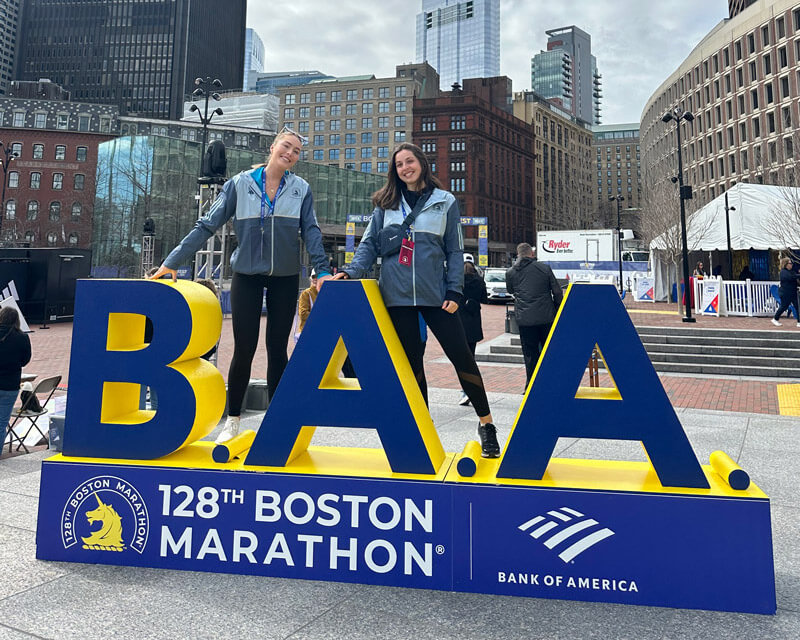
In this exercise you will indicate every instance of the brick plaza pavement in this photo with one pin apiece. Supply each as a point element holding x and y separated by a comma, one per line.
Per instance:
<point>51,356</point>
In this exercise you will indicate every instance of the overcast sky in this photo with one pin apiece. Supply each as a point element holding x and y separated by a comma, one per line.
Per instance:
<point>637,44</point>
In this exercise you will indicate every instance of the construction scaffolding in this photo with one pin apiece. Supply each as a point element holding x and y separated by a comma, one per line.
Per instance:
<point>210,261</point>
<point>148,253</point>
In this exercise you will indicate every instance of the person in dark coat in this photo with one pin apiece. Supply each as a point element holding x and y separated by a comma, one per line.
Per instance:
<point>15,353</point>
<point>537,297</point>
<point>788,290</point>
<point>470,312</point>
<point>746,274</point>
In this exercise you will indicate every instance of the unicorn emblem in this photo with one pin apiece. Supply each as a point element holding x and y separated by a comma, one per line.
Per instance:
<point>109,536</point>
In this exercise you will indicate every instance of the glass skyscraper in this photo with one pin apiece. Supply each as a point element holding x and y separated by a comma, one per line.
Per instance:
<point>253,58</point>
<point>142,56</point>
<point>566,74</point>
<point>9,19</point>
<point>460,39</point>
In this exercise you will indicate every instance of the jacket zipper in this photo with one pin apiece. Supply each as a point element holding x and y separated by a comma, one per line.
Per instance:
<point>272,243</point>
<point>414,265</point>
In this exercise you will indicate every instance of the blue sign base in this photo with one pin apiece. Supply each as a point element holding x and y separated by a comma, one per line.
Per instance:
<point>688,549</point>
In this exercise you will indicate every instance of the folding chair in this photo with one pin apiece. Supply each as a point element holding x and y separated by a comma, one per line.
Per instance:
<point>47,388</point>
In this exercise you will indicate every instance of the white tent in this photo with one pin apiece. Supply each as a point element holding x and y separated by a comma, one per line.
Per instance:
<point>706,228</point>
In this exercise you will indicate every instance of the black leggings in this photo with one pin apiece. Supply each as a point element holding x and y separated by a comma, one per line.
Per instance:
<point>449,332</point>
<point>785,302</point>
<point>246,296</point>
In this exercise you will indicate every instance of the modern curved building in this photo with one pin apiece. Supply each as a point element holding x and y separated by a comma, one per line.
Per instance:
<point>741,83</point>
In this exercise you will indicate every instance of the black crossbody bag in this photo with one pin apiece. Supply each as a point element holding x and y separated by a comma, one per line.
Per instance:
<point>390,238</point>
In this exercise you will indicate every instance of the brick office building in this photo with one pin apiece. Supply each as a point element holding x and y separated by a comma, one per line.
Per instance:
<point>50,192</point>
<point>564,188</point>
<point>485,157</point>
<point>354,122</point>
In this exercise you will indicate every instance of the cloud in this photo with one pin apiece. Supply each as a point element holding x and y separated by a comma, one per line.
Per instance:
<point>637,44</point>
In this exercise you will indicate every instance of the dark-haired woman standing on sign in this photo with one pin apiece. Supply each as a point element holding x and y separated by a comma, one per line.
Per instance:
<point>424,274</point>
<point>269,206</point>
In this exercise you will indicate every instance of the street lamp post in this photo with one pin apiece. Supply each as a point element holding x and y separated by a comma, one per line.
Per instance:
<point>205,118</point>
<point>728,209</point>
<point>685,193</point>
<point>619,199</point>
<point>6,158</point>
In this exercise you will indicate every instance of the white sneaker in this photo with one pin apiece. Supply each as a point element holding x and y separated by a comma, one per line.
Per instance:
<point>464,400</point>
<point>231,429</point>
<point>798,324</point>
<point>776,323</point>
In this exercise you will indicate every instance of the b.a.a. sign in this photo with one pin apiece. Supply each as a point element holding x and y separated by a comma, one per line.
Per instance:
<point>141,487</point>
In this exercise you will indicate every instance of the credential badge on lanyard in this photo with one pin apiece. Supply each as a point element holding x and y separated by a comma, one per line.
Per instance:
<point>407,247</point>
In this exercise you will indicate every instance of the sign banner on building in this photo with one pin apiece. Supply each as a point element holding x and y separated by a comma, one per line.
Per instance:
<point>358,218</point>
<point>482,223</point>
<point>473,221</point>
<point>483,245</point>
<point>349,242</point>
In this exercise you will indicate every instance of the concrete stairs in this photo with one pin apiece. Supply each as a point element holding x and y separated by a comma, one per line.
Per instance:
<point>701,352</point>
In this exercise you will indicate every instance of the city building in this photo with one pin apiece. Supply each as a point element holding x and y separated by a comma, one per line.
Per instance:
<point>9,22</point>
<point>617,161</point>
<point>253,57</point>
<point>49,197</point>
<point>741,84</point>
<point>735,7</point>
<point>272,82</point>
<point>460,39</point>
<point>253,110</point>
<point>484,156</point>
<point>354,122</point>
<point>566,74</point>
<point>141,57</point>
<point>565,193</point>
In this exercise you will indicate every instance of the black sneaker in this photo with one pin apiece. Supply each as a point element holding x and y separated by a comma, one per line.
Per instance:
<point>488,435</point>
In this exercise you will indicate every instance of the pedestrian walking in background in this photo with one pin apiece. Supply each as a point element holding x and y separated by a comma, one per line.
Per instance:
<point>537,297</point>
<point>788,290</point>
<point>470,312</point>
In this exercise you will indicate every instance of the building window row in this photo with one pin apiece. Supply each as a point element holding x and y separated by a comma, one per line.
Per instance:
<point>59,152</point>
<point>35,181</point>
<point>61,120</point>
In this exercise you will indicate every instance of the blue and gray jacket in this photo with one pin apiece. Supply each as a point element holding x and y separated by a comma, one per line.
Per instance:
<point>436,273</point>
<point>268,247</point>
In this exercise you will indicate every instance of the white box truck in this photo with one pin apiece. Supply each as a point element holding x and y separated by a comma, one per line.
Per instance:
<point>589,254</point>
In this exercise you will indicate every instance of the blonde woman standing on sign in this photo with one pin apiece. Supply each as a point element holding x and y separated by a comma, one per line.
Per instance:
<point>271,209</point>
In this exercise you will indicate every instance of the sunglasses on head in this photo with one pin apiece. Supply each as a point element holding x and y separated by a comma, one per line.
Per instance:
<point>303,139</point>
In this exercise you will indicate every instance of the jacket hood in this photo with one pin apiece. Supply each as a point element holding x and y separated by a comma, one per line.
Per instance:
<point>524,262</point>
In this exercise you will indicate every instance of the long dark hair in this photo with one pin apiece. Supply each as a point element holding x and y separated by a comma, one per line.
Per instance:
<point>388,196</point>
<point>9,318</point>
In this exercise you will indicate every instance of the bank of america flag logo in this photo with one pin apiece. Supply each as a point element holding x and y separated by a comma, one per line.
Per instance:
<point>566,531</point>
